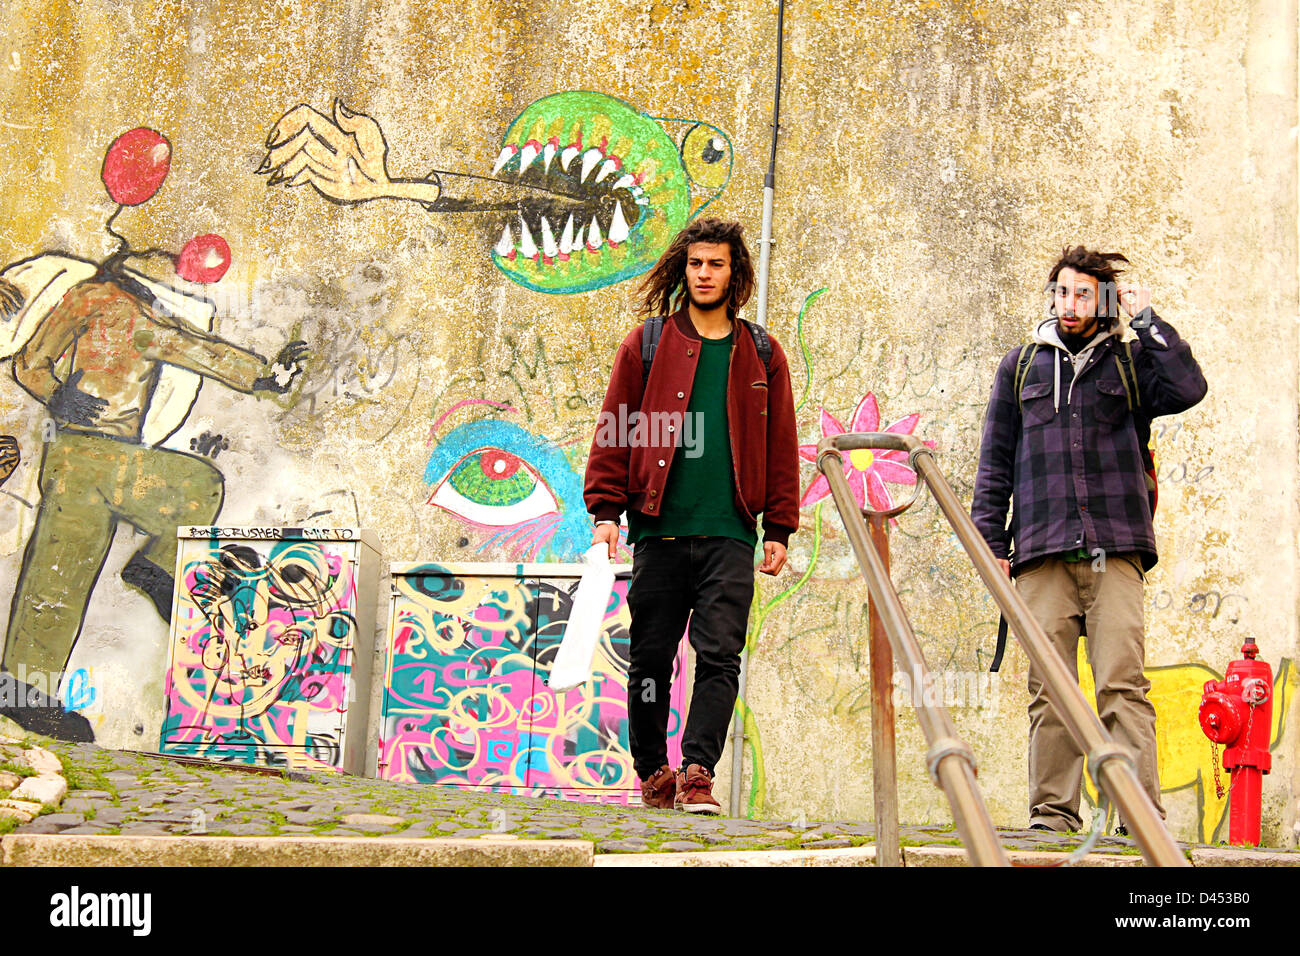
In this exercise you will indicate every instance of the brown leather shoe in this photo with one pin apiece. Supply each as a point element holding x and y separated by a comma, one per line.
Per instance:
<point>695,791</point>
<point>659,790</point>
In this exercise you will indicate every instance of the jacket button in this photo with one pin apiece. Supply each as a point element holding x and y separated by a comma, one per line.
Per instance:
<point>650,506</point>
<point>653,492</point>
<point>690,352</point>
<point>681,394</point>
<point>671,429</point>
<point>661,462</point>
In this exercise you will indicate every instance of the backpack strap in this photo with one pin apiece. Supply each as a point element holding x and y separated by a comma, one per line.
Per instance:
<point>654,327</point>
<point>1126,373</point>
<point>762,342</point>
<point>1027,353</point>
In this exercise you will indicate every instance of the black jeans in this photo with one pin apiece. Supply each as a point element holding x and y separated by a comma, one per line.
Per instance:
<point>711,582</point>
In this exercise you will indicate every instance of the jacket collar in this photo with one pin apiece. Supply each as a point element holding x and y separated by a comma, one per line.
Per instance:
<point>1049,333</point>
<point>682,320</point>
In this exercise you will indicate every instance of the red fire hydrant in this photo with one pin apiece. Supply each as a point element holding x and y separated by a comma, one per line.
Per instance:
<point>1238,713</point>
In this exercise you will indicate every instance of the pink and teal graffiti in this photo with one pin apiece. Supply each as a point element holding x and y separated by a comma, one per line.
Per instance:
<point>262,656</point>
<point>465,696</point>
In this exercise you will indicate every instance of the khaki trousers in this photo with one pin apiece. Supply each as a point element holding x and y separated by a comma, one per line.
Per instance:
<point>1069,599</point>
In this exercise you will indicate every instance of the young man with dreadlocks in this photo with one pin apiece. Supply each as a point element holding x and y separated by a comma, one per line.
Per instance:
<point>712,446</point>
<point>1065,439</point>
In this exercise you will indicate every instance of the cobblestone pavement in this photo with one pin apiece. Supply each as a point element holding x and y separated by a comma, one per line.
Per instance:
<point>135,794</point>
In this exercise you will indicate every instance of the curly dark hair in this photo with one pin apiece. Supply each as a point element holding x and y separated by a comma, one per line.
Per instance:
<point>1101,266</point>
<point>664,289</point>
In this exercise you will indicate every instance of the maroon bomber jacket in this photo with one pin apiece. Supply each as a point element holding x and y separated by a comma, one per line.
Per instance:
<point>627,475</point>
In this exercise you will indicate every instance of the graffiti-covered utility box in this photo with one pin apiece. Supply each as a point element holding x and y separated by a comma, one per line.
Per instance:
<point>465,701</point>
<point>272,635</point>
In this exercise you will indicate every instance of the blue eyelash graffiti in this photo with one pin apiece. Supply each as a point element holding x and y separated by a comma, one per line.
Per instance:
<point>517,486</point>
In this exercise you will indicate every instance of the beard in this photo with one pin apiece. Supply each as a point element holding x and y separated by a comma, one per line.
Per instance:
<point>720,298</point>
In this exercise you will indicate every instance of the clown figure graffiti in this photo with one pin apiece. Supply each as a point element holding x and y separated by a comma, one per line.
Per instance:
<point>116,358</point>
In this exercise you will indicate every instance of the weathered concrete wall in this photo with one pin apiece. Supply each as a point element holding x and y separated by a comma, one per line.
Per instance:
<point>934,158</point>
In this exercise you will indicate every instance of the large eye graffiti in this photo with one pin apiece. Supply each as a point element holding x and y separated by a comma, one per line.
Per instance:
<point>498,475</point>
<point>492,487</point>
<point>706,155</point>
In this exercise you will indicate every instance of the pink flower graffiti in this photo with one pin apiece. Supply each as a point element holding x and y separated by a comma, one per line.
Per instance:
<point>866,470</point>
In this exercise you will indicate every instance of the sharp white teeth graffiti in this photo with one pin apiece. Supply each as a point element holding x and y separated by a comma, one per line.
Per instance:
<point>505,246</point>
<point>618,231</point>
<point>589,160</point>
<point>594,240</point>
<point>566,157</point>
<point>625,182</point>
<point>607,168</point>
<point>504,158</point>
<point>577,238</point>
<point>526,247</point>
<point>548,154</point>
<point>526,157</point>
<point>549,248</point>
<point>566,238</point>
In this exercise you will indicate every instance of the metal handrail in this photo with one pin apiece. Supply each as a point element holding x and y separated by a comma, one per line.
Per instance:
<point>950,760</point>
<point>1110,765</point>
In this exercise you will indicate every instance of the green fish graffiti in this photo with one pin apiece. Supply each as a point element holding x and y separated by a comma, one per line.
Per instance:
<point>587,191</point>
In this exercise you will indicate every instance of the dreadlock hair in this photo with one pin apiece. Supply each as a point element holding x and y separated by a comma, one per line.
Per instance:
<point>1099,265</point>
<point>664,289</point>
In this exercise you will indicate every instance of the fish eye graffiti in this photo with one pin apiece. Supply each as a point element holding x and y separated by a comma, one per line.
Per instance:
<point>261,656</point>
<point>513,487</point>
<point>586,191</point>
<point>116,358</point>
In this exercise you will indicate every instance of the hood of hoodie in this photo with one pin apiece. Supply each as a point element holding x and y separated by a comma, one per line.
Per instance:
<point>1048,333</point>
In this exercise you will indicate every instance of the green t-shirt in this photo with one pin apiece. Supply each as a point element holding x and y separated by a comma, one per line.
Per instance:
<point>700,497</point>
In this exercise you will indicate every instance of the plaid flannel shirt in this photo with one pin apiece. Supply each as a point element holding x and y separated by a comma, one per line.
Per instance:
<point>1071,460</point>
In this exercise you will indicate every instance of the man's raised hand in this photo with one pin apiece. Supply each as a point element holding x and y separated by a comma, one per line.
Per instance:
<point>1134,299</point>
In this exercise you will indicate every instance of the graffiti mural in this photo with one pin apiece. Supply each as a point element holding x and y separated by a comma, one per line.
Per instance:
<point>515,488</point>
<point>866,470</point>
<point>116,358</point>
<point>465,696</point>
<point>586,191</point>
<point>508,471</point>
<point>262,654</point>
<point>1183,752</point>
<point>9,456</point>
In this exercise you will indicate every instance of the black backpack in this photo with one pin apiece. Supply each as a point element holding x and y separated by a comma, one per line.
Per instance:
<point>654,327</point>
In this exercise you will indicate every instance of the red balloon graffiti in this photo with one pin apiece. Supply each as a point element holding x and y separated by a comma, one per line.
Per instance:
<point>136,165</point>
<point>204,259</point>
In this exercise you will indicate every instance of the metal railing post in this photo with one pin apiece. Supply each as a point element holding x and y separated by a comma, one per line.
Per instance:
<point>884,763</point>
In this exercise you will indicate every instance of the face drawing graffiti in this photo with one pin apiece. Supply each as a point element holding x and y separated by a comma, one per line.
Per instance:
<point>267,622</point>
